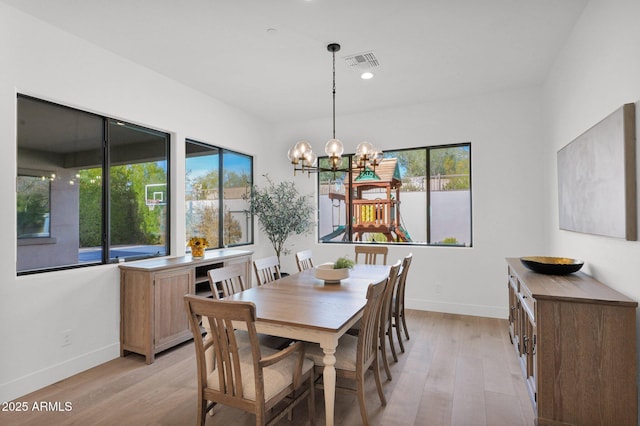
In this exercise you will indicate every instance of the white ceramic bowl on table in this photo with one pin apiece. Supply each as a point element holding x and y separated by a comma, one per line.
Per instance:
<point>329,275</point>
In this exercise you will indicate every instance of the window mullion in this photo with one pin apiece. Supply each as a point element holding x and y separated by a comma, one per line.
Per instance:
<point>428,195</point>
<point>221,198</point>
<point>106,205</point>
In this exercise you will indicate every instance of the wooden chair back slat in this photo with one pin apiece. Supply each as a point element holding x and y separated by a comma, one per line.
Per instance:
<point>229,278</point>
<point>402,283</point>
<point>369,331</point>
<point>399,321</point>
<point>370,252</point>
<point>386,319</point>
<point>267,269</point>
<point>304,260</point>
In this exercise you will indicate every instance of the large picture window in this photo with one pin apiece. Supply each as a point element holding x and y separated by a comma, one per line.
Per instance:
<point>91,189</point>
<point>415,196</point>
<point>217,183</point>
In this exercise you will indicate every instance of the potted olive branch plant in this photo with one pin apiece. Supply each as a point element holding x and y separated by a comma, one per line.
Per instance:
<point>282,212</point>
<point>343,262</point>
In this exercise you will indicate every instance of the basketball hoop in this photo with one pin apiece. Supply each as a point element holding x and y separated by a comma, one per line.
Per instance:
<point>155,195</point>
<point>152,204</point>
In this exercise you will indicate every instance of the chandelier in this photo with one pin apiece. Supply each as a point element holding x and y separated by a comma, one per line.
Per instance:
<point>305,160</point>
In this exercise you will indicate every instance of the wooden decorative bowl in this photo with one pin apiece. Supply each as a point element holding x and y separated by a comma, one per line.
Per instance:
<point>552,265</point>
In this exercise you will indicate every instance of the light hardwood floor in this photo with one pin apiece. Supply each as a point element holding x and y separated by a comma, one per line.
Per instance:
<point>457,370</point>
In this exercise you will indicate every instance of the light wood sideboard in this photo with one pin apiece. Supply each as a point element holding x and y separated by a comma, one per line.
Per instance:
<point>152,313</point>
<point>576,342</point>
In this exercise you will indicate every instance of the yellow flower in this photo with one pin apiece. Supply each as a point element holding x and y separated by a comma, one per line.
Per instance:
<point>198,242</point>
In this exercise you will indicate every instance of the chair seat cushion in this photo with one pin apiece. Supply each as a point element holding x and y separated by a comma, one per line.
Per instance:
<point>345,353</point>
<point>277,377</point>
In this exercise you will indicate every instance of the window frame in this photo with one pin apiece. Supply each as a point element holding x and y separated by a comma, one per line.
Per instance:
<point>349,208</point>
<point>221,152</point>
<point>105,192</point>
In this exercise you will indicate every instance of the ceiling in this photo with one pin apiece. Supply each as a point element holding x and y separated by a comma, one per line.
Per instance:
<point>269,57</point>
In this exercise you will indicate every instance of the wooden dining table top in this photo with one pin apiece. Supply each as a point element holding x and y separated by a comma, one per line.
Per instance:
<point>302,300</point>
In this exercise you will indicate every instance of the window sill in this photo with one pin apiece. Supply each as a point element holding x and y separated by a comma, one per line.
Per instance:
<point>36,241</point>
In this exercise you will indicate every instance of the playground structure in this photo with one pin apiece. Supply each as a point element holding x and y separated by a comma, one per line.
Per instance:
<point>376,203</point>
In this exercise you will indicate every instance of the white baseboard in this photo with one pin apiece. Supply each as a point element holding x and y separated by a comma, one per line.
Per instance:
<point>44,377</point>
<point>501,312</point>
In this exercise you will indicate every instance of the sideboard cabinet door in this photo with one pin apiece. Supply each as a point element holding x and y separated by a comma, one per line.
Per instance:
<point>170,317</point>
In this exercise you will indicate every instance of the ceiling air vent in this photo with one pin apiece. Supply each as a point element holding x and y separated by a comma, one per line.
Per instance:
<point>362,61</point>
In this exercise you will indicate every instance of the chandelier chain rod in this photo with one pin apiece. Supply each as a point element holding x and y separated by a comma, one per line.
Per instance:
<point>334,94</point>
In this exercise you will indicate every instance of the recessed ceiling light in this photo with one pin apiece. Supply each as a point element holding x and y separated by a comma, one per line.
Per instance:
<point>367,75</point>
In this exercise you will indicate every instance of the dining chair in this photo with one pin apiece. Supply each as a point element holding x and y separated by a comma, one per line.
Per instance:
<point>355,355</point>
<point>386,331</point>
<point>254,378</point>
<point>397,306</point>
<point>231,280</point>
<point>370,253</point>
<point>267,269</point>
<point>304,260</point>
<point>228,280</point>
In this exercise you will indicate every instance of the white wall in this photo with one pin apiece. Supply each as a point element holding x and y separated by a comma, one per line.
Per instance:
<point>44,62</point>
<point>514,137</point>
<point>597,72</point>
<point>508,191</point>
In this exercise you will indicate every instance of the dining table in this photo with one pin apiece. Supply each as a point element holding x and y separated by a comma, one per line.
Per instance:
<point>302,307</point>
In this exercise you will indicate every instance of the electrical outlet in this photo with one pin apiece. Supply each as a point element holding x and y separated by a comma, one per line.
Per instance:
<point>438,289</point>
<point>66,338</point>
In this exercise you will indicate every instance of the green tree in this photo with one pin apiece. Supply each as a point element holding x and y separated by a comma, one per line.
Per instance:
<point>207,224</point>
<point>131,221</point>
<point>203,187</point>
<point>90,207</point>
<point>232,230</point>
<point>282,212</point>
<point>413,162</point>
<point>151,222</point>
<point>235,180</point>
<point>205,220</point>
<point>451,161</point>
<point>32,203</point>
<point>125,223</point>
